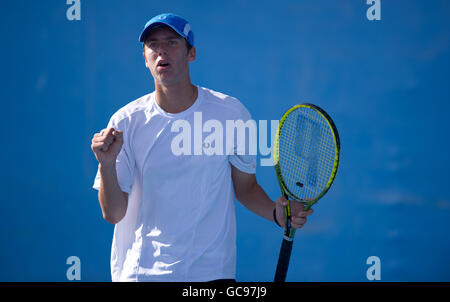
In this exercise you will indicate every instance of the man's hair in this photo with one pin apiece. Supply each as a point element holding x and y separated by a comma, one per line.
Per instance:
<point>188,46</point>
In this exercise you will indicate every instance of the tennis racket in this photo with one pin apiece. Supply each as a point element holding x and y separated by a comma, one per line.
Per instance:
<point>306,156</point>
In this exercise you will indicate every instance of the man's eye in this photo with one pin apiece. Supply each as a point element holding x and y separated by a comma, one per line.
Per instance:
<point>173,42</point>
<point>152,45</point>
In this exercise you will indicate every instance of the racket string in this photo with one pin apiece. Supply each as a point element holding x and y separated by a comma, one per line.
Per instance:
<point>307,153</point>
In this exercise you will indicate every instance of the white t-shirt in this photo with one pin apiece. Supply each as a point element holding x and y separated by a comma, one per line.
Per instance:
<point>180,222</point>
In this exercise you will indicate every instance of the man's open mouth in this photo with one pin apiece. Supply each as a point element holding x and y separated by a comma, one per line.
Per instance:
<point>163,64</point>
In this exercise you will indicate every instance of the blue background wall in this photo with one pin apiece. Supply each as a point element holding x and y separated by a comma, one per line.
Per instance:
<point>385,83</point>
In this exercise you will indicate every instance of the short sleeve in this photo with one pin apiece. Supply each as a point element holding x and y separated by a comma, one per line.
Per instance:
<point>125,160</point>
<point>243,156</point>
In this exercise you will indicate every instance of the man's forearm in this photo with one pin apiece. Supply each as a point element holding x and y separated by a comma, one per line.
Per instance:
<point>113,201</point>
<point>256,200</point>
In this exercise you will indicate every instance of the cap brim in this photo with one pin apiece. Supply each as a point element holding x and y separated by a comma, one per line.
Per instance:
<point>155,25</point>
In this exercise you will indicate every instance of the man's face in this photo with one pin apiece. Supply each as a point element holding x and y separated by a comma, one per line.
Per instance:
<point>166,56</point>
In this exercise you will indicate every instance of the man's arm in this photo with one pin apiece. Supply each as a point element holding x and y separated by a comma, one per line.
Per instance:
<point>106,146</point>
<point>253,197</point>
<point>113,201</point>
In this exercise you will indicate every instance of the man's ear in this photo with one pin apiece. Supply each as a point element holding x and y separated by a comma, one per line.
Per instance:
<point>192,54</point>
<point>143,54</point>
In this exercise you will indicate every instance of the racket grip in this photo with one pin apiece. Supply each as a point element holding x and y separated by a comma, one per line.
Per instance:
<point>283,260</point>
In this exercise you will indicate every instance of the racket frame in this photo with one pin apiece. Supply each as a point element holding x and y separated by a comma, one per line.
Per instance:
<point>289,233</point>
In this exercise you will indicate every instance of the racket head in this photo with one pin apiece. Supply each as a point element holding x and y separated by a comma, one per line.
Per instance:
<point>306,153</point>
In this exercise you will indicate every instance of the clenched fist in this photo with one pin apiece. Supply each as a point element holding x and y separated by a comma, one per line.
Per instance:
<point>106,145</point>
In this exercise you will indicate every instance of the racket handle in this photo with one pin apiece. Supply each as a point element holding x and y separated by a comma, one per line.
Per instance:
<point>283,260</point>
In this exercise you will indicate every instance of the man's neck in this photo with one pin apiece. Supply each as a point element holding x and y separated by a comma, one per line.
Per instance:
<point>176,98</point>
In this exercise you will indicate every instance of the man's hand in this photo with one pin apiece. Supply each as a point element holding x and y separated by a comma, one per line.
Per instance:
<point>106,145</point>
<point>298,215</point>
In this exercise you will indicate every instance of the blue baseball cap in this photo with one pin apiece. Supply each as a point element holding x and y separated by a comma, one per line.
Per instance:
<point>177,23</point>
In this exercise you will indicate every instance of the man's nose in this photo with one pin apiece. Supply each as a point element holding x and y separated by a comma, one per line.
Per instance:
<point>162,49</point>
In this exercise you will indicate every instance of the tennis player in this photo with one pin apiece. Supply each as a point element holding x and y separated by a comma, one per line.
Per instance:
<point>174,214</point>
